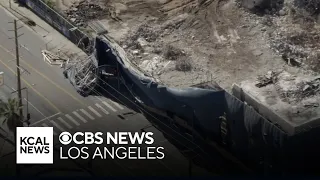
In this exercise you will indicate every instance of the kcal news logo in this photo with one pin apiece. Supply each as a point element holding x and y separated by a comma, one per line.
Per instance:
<point>34,145</point>
<point>117,145</point>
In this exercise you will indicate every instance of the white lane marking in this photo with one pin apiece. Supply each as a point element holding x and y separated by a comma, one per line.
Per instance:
<point>50,116</point>
<point>116,104</point>
<point>100,107</point>
<point>109,106</point>
<point>80,117</point>
<point>64,122</point>
<point>44,119</point>
<point>87,114</point>
<point>58,126</point>
<point>94,111</point>
<point>34,107</point>
<point>71,119</point>
<point>45,125</point>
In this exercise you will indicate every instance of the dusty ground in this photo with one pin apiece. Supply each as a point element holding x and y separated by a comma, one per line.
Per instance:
<point>183,42</point>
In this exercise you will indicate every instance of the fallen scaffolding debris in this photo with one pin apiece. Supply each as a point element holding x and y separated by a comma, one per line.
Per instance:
<point>213,112</point>
<point>83,74</point>
<point>53,59</point>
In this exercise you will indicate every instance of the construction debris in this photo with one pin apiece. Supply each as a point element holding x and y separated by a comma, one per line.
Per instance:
<point>312,7</point>
<point>269,78</point>
<point>53,59</point>
<point>309,88</point>
<point>290,88</point>
<point>83,74</point>
<point>295,89</point>
<point>218,36</point>
<point>85,11</point>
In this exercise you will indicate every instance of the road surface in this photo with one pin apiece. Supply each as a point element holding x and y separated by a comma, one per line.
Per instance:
<point>53,102</point>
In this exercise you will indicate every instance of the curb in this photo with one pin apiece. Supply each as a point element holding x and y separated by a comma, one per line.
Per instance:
<point>13,12</point>
<point>21,17</point>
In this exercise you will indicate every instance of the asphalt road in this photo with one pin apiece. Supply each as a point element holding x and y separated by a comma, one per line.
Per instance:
<point>52,101</point>
<point>50,95</point>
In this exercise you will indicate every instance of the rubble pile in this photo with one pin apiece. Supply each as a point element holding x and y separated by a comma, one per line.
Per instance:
<point>269,78</point>
<point>84,11</point>
<point>152,34</point>
<point>308,88</point>
<point>291,89</point>
<point>312,7</point>
<point>296,35</point>
<point>173,53</point>
<point>83,74</point>
<point>146,41</point>
<point>294,89</point>
<point>144,32</point>
<point>298,48</point>
<point>169,38</point>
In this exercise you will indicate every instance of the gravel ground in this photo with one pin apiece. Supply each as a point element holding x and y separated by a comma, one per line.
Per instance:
<point>184,42</point>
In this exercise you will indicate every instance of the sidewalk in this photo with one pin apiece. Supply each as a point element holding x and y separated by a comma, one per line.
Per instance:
<point>55,41</point>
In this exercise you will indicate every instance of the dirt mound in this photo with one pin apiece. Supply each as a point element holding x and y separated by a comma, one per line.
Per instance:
<point>296,37</point>
<point>186,42</point>
<point>84,11</point>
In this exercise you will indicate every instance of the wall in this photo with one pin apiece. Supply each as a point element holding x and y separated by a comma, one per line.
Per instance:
<point>58,22</point>
<point>251,137</point>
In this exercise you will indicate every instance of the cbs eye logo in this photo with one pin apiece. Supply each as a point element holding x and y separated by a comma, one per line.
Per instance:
<point>65,138</point>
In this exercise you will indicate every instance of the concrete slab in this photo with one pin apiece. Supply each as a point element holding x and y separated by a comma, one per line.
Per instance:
<point>290,101</point>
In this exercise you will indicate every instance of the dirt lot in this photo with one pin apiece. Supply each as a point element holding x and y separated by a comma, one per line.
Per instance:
<point>184,42</point>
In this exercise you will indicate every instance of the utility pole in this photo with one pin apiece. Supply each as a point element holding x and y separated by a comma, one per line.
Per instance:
<point>16,36</point>
<point>18,69</point>
<point>28,114</point>
<point>19,82</point>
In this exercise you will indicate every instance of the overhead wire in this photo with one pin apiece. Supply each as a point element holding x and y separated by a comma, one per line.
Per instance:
<point>139,107</point>
<point>37,57</point>
<point>190,149</point>
<point>98,93</point>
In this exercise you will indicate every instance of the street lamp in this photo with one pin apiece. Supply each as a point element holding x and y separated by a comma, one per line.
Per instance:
<point>28,114</point>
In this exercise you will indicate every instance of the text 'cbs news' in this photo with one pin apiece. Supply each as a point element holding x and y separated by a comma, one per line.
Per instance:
<point>35,145</point>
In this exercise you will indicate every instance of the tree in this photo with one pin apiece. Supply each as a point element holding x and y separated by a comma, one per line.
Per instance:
<point>9,111</point>
<point>9,114</point>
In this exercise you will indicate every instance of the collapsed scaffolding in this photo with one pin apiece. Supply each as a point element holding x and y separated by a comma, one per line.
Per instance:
<point>83,73</point>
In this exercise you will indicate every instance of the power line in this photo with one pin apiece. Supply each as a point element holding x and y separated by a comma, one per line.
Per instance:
<point>117,98</point>
<point>230,158</point>
<point>84,63</point>
<point>16,36</point>
<point>98,93</point>
<point>190,149</point>
<point>17,45</point>
<point>141,109</point>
